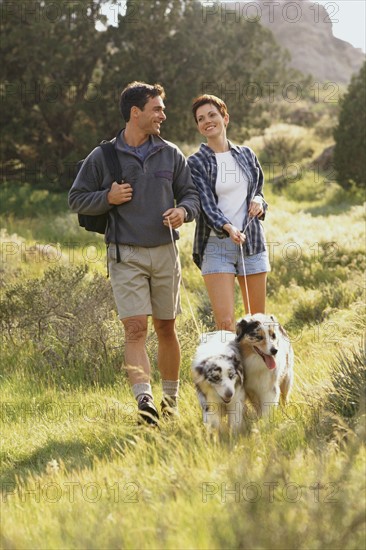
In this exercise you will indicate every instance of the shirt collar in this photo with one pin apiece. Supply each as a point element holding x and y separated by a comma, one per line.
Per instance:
<point>204,147</point>
<point>156,141</point>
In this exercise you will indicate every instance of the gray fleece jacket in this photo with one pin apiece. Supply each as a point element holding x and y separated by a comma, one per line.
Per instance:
<point>162,181</point>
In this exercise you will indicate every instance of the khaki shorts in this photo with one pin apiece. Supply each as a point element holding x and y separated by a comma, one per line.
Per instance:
<point>146,281</point>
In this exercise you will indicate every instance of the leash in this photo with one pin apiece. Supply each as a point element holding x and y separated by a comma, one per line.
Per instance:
<point>184,286</point>
<point>244,270</point>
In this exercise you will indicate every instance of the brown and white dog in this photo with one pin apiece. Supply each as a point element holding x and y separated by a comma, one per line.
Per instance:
<point>218,375</point>
<point>267,358</point>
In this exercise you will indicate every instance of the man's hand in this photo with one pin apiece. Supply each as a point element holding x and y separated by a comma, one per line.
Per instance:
<point>175,216</point>
<point>119,193</point>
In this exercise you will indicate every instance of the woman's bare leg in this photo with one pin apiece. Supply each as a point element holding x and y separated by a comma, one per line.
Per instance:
<point>257,292</point>
<point>221,291</point>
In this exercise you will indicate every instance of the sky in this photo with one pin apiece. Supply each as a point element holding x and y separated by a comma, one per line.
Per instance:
<point>348,17</point>
<point>349,23</point>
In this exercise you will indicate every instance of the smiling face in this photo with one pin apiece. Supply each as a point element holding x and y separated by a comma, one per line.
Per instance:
<point>150,118</point>
<point>210,122</point>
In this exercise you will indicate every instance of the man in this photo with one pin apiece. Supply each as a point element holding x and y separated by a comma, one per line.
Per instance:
<point>156,197</point>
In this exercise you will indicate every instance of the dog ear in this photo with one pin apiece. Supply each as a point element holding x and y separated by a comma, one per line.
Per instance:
<point>245,327</point>
<point>236,359</point>
<point>240,376</point>
<point>201,367</point>
<point>240,329</point>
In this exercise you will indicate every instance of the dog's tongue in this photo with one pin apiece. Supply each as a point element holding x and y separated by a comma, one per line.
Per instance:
<point>270,362</point>
<point>268,359</point>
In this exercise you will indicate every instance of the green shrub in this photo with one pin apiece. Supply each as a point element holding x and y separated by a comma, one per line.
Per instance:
<point>308,188</point>
<point>23,200</point>
<point>317,304</point>
<point>348,393</point>
<point>66,317</point>
<point>283,149</point>
<point>324,128</point>
<point>329,265</point>
<point>350,135</point>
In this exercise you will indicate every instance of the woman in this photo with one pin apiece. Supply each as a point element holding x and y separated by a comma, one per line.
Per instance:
<point>230,183</point>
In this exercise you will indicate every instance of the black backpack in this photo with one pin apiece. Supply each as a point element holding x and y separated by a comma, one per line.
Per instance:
<point>99,222</point>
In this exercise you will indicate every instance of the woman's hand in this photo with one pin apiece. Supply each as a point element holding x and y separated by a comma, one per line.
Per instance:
<point>256,207</point>
<point>234,233</point>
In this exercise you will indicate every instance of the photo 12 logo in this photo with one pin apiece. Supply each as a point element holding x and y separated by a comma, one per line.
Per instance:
<point>269,491</point>
<point>270,12</point>
<point>71,491</point>
<point>253,92</point>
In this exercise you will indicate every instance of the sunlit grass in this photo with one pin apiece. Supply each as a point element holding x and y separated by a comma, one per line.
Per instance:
<point>77,472</point>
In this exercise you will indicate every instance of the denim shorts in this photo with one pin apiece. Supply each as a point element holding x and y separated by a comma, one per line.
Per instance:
<point>224,256</point>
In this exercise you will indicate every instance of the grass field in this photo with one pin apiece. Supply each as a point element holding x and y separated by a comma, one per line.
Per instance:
<point>77,472</point>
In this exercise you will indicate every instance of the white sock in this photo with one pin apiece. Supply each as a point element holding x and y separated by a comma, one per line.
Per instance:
<point>170,387</point>
<point>141,389</point>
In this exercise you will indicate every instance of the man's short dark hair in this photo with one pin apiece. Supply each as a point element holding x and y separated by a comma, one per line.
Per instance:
<point>137,94</point>
<point>212,100</point>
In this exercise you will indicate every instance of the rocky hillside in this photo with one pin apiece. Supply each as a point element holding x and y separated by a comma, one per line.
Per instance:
<point>304,28</point>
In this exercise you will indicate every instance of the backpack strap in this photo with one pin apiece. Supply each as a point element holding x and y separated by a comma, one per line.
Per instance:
<point>111,158</point>
<point>114,166</point>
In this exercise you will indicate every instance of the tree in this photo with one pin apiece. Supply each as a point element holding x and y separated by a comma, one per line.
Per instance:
<point>61,78</point>
<point>50,54</point>
<point>190,48</point>
<point>350,134</point>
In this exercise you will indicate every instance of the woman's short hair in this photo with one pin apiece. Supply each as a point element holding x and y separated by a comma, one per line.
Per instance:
<point>211,99</point>
<point>137,94</point>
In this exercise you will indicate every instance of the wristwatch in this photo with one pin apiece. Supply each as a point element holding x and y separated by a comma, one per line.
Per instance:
<point>185,213</point>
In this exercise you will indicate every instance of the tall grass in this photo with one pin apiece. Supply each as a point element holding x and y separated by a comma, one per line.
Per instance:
<point>77,472</point>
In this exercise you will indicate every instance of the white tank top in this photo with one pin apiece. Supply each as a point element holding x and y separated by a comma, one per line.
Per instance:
<point>231,189</point>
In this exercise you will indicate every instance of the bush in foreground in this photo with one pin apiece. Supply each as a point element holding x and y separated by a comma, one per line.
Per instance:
<point>347,397</point>
<point>66,317</point>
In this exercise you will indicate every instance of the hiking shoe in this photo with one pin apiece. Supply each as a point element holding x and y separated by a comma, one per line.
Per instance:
<point>169,407</point>
<point>147,411</point>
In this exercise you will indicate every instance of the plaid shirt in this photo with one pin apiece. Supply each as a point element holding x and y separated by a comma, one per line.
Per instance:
<point>203,167</point>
